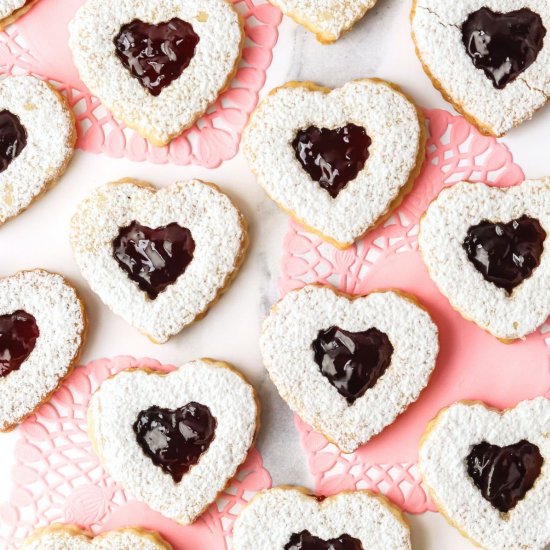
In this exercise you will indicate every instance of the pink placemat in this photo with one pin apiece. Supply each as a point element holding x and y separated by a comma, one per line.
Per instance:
<point>57,477</point>
<point>38,44</point>
<point>471,364</point>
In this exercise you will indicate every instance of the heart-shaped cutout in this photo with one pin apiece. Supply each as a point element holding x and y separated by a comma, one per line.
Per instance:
<point>37,139</point>
<point>365,395</point>
<point>488,472</point>
<point>346,521</point>
<point>162,65</point>
<point>338,160</point>
<point>42,330</point>
<point>118,428</point>
<point>161,258</point>
<point>328,19</point>
<point>482,244</point>
<point>491,61</point>
<point>70,537</point>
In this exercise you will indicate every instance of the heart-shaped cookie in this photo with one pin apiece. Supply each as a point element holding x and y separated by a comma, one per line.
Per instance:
<point>328,19</point>
<point>337,160</point>
<point>159,259</point>
<point>288,518</point>
<point>156,65</point>
<point>489,472</point>
<point>71,537</point>
<point>488,251</point>
<point>42,330</point>
<point>348,365</point>
<point>37,138</point>
<point>11,10</point>
<point>490,59</point>
<point>174,440</point>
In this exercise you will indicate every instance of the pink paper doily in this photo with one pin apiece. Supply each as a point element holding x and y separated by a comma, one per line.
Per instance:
<point>57,477</point>
<point>38,44</point>
<point>471,364</point>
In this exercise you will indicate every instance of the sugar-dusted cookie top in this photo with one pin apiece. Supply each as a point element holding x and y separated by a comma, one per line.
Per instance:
<point>337,160</point>
<point>488,251</point>
<point>348,365</point>
<point>42,329</point>
<point>37,138</point>
<point>156,64</point>
<point>490,58</point>
<point>11,10</point>
<point>489,472</point>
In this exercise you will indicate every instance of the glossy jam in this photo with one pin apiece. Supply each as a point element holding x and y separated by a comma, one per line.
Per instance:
<point>175,439</point>
<point>13,138</point>
<point>352,361</point>
<point>506,253</point>
<point>306,541</point>
<point>332,157</point>
<point>504,475</point>
<point>156,54</point>
<point>153,258</point>
<point>18,334</point>
<point>503,44</point>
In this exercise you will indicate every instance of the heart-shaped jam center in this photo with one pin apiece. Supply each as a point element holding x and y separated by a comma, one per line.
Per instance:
<point>504,474</point>
<point>18,334</point>
<point>352,361</point>
<point>506,253</point>
<point>13,138</point>
<point>175,439</point>
<point>156,54</point>
<point>306,541</point>
<point>153,258</point>
<point>503,44</point>
<point>332,158</point>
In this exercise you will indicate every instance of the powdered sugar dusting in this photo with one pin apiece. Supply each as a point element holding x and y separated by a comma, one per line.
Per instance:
<point>7,7</point>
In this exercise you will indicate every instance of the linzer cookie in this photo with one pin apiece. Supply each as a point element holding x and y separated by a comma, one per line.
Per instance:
<point>71,537</point>
<point>348,365</point>
<point>328,19</point>
<point>159,258</point>
<point>489,58</point>
<point>287,518</point>
<point>156,64</point>
<point>486,248</point>
<point>42,329</point>
<point>337,160</point>
<point>11,10</point>
<point>174,440</point>
<point>37,138</point>
<point>489,472</point>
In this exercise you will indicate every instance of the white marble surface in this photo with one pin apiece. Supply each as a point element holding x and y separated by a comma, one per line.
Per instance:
<point>379,46</point>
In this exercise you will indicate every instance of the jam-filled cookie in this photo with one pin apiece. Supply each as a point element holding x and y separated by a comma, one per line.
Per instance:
<point>174,440</point>
<point>348,365</point>
<point>11,10</point>
<point>288,518</point>
<point>489,58</point>
<point>71,537</point>
<point>328,19</point>
<point>337,160</point>
<point>37,139</point>
<point>159,258</point>
<point>156,64</point>
<point>489,472</point>
<point>42,329</point>
<point>488,251</point>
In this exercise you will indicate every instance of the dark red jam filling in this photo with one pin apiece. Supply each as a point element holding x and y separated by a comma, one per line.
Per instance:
<point>175,439</point>
<point>18,334</point>
<point>352,361</point>
<point>504,475</point>
<point>506,253</point>
<point>503,44</point>
<point>153,258</point>
<point>306,541</point>
<point>332,158</point>
<point>13,138</point>
<point>156,54</point>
